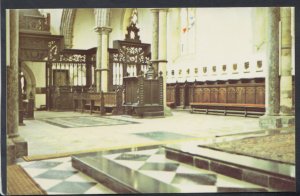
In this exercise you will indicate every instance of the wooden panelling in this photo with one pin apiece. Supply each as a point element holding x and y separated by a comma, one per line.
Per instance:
<point>206,95</point>
<point>250,95</point>
<point>222,95</point>
<point>260,95</point>
<point>198,94</point>
<point>240,94</point>
<point>171,94</point>
<point>231,95</point>
<point>214,95</point>
<point>181,95</point>
<point>246,91</point>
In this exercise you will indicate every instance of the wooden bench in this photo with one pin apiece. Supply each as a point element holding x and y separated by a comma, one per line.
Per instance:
<point>228,108</point>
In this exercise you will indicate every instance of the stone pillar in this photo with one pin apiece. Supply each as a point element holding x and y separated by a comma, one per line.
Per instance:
<point>98,59</point>
<point>286,88</point>
<point>104,58</point>
<point>271,118</point>
<point>162,49</point>
<point>154,45</point>
<point>16,146</point>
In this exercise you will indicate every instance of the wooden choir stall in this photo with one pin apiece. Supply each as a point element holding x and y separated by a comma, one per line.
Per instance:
<point>71,79</point>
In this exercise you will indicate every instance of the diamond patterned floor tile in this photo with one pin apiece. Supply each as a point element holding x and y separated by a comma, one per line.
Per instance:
<point>80,177</point>
<point>135,165</point>
<point>160,166</point>
<point>158,158</point>
<point>57,174</point>
<point>72,187</point>
<point>99,189</point>
<point>65,166</point>
<point>35,172</point>
<point>145,152</point>
<point>43,164</point>
<point>112,156</point>
<point>62,159</point>
<point>164,176</point>
<point>132,157</point>
<point>47,183</point>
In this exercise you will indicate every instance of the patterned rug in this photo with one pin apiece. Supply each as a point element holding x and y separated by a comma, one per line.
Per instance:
<point>85,121</point>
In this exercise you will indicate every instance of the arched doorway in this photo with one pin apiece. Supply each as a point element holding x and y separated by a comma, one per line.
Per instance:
<point>29,80</point>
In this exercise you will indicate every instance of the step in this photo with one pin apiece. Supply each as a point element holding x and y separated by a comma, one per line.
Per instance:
<point>266,173</point>
<point>147,170</point>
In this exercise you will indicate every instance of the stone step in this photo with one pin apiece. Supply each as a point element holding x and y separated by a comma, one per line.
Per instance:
<point>266,173</point>
<point>147,170</point>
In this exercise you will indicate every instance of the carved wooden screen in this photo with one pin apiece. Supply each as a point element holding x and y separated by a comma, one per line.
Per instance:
<point>127,58</point>
<point>68,71</point>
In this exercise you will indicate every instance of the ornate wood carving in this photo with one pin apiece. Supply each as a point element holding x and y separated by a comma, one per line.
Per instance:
<point>132,33</point>
<point>36,47</point>
<point>240,91</point>
<point>206,95</point>
<point>250,94</point>
<point>214,95</point>
<point>240,94</point>
<point>34,21</point>
<point>231,95</point>
<point>222,95</point>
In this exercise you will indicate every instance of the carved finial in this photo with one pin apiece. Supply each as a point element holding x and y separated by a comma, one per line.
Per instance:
<point>160,73</point>
<point>134,16</point>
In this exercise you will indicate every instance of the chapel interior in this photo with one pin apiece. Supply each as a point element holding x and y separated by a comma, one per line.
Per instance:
<point>150,100</point>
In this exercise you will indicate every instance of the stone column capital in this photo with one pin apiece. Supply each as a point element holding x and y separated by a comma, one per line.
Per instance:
<point>103,30</point>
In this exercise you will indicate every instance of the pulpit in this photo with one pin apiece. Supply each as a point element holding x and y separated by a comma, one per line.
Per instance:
<point>143,95</point>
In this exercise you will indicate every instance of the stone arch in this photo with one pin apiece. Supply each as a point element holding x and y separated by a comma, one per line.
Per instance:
<point>66,26</point>
<point>30,79</point>
<point>125,19</point>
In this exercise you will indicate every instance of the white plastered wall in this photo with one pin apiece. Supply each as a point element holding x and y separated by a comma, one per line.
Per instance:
<point>39,71</point>
<point>224,36</point>
<point>84,36</point>
<point>119,20</point>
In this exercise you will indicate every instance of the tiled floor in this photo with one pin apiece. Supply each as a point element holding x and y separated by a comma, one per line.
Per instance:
<point>84,132</point>
<point>57,176</point>
<point>184,177</point>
